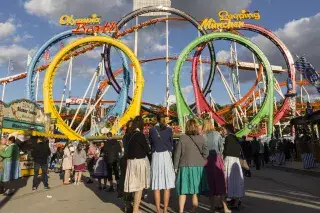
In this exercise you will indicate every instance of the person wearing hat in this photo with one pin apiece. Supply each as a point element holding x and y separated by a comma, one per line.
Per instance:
<point>40,154</point>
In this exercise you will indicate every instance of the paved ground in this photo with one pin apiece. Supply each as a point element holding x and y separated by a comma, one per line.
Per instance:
<point>297,167</point>
<point>267,191</point>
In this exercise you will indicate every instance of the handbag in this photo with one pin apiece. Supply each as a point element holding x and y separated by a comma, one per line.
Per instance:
<point>243,161</point>
<point>244,164</point>
<point>205,159</point>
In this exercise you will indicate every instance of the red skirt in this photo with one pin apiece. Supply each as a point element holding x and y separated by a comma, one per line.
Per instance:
<point>215,175</point>
<point>80,168</point>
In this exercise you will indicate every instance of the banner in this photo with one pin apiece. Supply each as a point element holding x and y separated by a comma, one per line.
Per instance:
<point>25,110</point>
<point>8,123</point>
<point>77,101</point>
<point>309,73</point>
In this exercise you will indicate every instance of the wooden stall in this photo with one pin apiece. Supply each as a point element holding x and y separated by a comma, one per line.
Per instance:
<point>312,122</point>
<point>26,120</point>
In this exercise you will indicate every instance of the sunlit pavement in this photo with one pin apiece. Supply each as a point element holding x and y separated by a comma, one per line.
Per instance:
<point>297,167</point>
<point>267,191</point>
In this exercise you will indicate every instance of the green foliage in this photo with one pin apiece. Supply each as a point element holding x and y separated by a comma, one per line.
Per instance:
<point>173,107</point>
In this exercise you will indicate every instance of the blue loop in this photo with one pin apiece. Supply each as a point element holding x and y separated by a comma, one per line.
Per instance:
<point>36,58</point>
<point>120,105</point>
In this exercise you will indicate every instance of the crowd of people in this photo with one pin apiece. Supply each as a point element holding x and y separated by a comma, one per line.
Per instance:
<point>256,152</point>
<point>279,151</point>
<point>203,161</point>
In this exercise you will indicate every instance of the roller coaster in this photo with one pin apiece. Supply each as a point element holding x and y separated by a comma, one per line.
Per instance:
<point>255,112</point>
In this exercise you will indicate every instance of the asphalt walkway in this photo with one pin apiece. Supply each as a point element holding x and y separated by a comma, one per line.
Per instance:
<point>297,167</point>
<point>268,190</point>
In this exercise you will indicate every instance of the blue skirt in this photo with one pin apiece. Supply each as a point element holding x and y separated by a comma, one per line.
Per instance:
<point>234,177</point>
<point>280,158</point>
<point>162,171</point>
<point>308,161</point>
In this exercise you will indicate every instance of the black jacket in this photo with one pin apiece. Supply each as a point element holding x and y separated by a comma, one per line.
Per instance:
<point>232,147</point>
<point>138,147</point>
<point>111,150</point>
<point>41,152</point>
<point>247,149</point>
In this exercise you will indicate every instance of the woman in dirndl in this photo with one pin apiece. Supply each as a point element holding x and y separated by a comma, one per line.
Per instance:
<point>190,157</point>
<point>67,163</point>
<point>162,171</point>
<point>306,152</point>
<point>127,197</point>
<point>232,166</point>
<point>100,169</point>
<point>79,163</point>
<point>280,156</point>
<point>10,164</point>
<point>138,166</point>
<point>92,149</point>
<point>215,166</point>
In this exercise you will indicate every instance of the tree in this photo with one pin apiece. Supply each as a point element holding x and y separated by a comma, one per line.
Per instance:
<point>173,107</point>
<point>68,114</point>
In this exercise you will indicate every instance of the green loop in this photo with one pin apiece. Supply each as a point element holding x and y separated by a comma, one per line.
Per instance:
<point>267,105</point>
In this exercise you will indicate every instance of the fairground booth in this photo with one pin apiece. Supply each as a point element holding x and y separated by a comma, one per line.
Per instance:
<point>25,120</point>
<point>312,121</point>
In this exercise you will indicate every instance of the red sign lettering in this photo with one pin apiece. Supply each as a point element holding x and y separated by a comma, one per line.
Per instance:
<point>83,28</point>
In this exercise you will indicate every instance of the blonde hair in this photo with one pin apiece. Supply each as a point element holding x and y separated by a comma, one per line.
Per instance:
<point>207,126</point>
<point>192,127</point>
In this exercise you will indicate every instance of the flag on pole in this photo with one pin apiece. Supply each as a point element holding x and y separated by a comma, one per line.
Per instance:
<point>29,60</point>
<point>309,72</point>
<point>10,65</point>
<point>61,45</point>
<point>47,55</point>
<point>10,68</point>
<point>302,64</point>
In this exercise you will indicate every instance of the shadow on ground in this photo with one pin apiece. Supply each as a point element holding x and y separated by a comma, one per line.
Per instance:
<point>103,195</point>
<point>16,185</point>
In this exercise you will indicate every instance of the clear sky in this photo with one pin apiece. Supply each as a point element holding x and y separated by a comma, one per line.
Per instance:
<point>27,24</point>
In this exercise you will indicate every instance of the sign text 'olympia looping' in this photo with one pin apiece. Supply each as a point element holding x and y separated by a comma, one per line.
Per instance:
<point>88,25</point>
<point>227,20</point>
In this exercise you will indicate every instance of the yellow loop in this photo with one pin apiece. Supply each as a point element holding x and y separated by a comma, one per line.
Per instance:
<point>49,106</point>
